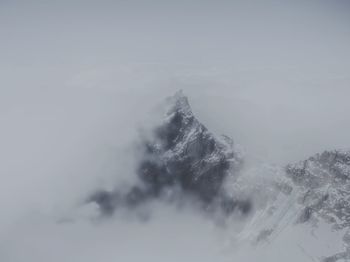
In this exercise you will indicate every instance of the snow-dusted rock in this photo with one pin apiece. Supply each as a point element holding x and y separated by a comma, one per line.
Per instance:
<point>185,153</point>
<point>324,180</point>
<point>181,156</point>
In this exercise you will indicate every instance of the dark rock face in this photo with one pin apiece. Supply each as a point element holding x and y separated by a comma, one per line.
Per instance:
<point>324,181</point>
<point>182,155</point>
<point>185,153</point>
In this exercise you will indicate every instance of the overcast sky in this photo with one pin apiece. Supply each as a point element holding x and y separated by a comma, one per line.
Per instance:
<point>260,65</point>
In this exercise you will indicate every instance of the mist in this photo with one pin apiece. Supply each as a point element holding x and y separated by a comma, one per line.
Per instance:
<point>80,79</point>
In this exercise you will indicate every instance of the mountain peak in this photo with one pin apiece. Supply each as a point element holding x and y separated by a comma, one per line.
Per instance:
<point>182,155</point>
<point>178,103</point>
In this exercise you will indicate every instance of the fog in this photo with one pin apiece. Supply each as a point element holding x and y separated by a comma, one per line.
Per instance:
<point>80,79</point>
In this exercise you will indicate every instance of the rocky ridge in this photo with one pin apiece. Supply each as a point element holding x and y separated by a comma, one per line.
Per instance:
<point>181,157</point>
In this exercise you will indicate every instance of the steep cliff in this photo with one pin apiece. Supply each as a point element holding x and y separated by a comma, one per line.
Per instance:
<point>181,156</point>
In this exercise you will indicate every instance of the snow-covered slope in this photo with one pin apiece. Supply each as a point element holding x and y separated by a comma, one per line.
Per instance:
<point>301,210</point>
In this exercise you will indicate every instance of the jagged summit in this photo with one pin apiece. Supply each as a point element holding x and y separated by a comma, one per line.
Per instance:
<point>178,103</point>
<point>184,156</point>
<point>191,156</point>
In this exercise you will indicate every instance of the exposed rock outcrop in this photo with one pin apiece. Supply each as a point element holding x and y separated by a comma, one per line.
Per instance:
<point>324,180</point>
<point>182,160</point>
<point>182,156</point>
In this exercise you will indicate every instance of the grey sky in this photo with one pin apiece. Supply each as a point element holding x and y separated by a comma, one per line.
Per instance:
<point>266,54</point>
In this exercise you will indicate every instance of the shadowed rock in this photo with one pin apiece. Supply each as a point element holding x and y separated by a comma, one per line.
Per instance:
<point>182,154</point>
